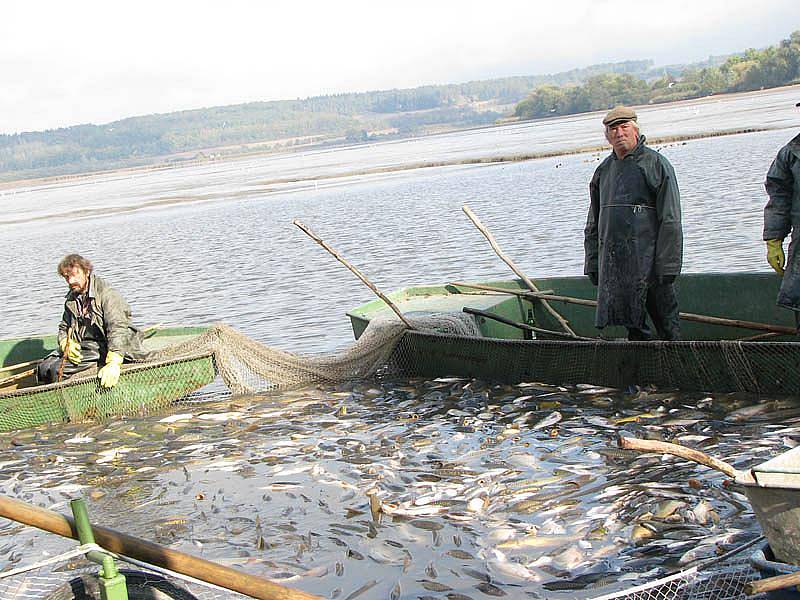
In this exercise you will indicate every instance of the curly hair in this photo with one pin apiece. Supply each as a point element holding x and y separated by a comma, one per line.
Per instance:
<point>73,260</point>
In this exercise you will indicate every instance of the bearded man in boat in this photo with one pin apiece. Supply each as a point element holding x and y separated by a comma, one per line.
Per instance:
<point>633,239</point>
<point>95,329</point>
<point>781,216</point>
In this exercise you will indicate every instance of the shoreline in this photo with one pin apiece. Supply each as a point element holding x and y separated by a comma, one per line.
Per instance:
<point>264,184</point>
<point>510,158</point>
<point>165,164</point>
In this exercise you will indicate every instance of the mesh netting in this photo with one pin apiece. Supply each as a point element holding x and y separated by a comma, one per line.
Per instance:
<point>719,366</point>
<point>248,367</point>
<point>71,577</point>
<point>440,344</point>
<point>245,366</point>
<point>723,578</point>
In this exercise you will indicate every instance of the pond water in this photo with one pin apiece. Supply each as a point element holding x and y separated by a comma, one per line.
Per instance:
<point>525,492</point>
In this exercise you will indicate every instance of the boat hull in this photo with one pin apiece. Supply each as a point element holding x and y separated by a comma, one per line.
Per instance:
<point>713,356</point>
<point>142,387</point>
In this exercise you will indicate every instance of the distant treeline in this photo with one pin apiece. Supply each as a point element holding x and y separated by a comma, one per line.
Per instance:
<point>356,117</point>
<point>751,70</point>
<point>223,130</point>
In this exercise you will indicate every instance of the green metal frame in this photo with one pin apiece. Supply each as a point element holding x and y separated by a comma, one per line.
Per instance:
<point>112,582</point>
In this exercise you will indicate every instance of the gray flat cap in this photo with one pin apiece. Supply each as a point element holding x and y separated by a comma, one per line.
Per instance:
<point>619,114</point>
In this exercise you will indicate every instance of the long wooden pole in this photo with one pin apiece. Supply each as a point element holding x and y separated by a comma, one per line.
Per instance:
<point>354,270</point>
<point>780,329</point>
<point>19,365</point>
<point>532,286</point>
<point>630,443</point>
<point>523,326</point>
<point>126,545</point>
<point>779,582</point>
<point>64,353</point>
<point>17,377</point>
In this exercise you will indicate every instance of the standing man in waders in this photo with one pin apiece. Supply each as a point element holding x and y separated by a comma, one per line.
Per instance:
<point>95,328</point>
<point>781,216</point>
<point>633,239</point>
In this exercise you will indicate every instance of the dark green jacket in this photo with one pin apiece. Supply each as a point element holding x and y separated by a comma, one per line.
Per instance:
<point>107,327</point>
<point>633,236</point>
<point>782,215</point>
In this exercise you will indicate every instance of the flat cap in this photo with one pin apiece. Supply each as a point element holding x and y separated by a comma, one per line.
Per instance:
<point>619,114</point>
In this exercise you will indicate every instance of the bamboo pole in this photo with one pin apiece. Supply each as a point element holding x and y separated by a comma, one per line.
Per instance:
<point>127,545</point>
<point>779,329</point>
<point>532,286</point>
<point>355,271</point>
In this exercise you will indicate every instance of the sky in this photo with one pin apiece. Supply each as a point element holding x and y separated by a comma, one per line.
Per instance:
<point>87,61</point>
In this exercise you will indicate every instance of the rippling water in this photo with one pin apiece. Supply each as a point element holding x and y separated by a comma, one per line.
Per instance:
<point>278,485</point>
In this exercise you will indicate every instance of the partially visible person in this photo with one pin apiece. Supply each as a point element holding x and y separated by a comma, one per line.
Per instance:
<point>633,239</point>
<point>782,217</point>
<point>95,329</point>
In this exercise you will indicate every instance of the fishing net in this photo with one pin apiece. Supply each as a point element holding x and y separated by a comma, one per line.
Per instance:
<point>245,366</point>
<point>722,578</point>
<point>720,366</point>
<point>69,576</point>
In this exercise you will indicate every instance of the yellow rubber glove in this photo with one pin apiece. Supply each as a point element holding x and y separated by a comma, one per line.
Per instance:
<point>775,255</point>
<point>71,349</point>
<point>109,375</point>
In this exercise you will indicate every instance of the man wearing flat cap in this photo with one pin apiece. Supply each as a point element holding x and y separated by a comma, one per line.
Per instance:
<point>782,216</point>
<point>633,239</point>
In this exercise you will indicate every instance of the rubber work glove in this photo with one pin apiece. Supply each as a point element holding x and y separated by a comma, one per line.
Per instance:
<point>109,375</point>
<point>775,255</point>
<point>71,349</point>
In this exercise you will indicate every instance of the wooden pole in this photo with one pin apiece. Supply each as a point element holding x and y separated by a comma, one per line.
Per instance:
<point>20,365</point>
<point>523,326</point>
<point>126,545</point>
<point>779,582</point>
<point>355,271</point>
<point>779,329</point>
<point>64,352</point>
<point>630,443</point>
<point>488,235</point>
<point>17,377</point>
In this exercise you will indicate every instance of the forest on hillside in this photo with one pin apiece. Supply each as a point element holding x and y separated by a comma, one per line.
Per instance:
<point>751,70</point>
<point>205,133</point>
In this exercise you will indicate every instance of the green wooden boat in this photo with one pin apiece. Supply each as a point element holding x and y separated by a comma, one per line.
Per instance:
<point>142,387</point>
<point>734,336</point>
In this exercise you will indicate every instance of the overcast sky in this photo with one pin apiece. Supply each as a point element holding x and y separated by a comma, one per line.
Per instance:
<point>86,61</point>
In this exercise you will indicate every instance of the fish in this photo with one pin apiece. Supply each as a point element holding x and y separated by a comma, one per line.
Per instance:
<point>364,588</point>
<point>538,541</point>
<point>551,419</point>
<point>499,563</point>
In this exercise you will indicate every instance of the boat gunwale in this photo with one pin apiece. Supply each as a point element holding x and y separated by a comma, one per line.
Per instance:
<point>82,379</point>
<point>603,341</point>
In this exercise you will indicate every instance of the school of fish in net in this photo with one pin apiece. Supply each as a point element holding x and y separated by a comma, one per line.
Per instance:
<point>444,488</point>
